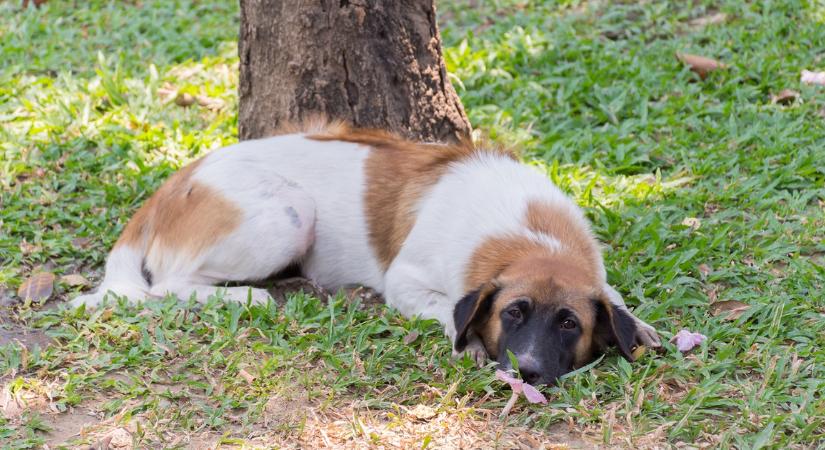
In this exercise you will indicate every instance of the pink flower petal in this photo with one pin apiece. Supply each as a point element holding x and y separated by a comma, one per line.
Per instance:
<point>515,384</point>
<point>809,77</point>
<point>533,395</point>
<point>687,340</point>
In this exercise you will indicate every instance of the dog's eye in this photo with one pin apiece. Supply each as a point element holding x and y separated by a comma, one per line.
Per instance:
<point>515,313</point>
<point>568,324</point>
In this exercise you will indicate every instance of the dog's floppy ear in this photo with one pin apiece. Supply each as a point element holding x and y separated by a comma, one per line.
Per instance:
<point>471,310</point>
<point>614,326</point>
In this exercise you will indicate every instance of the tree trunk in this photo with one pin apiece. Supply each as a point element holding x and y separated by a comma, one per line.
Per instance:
<point>371,63</point>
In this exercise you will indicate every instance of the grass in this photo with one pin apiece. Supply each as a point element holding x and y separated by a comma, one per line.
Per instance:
<point>594,94</point>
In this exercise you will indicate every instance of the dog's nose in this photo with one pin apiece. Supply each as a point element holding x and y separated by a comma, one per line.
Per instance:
<point>530,374</point>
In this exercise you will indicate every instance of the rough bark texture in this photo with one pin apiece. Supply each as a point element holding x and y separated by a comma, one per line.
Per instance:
<point>372,63</point>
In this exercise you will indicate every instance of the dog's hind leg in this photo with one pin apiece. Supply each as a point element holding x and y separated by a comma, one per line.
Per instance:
<point>123,277</point>
<point>277,230</point>
<point>193,234</point>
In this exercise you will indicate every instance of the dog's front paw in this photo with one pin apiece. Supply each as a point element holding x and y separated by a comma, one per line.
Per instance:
<point>475,350</point>
<point>646,335</point>
<point>90,300</point>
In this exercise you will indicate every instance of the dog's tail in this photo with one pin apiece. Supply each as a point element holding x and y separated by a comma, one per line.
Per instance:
<point>124,277</point>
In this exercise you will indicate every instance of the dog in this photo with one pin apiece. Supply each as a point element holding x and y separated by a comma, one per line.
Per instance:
<point>464,234</point>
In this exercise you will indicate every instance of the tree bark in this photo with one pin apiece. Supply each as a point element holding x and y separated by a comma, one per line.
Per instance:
<point>371,63</point>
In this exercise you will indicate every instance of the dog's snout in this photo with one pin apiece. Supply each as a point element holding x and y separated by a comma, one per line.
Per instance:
<point>530,374</point>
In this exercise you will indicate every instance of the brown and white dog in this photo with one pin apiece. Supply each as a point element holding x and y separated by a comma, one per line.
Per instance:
<point>468,236</point>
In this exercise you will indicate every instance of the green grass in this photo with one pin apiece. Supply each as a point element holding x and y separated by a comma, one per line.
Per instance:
<point>595,96</point>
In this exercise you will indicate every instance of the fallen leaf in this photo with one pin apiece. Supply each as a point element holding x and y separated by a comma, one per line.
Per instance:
<point>410,337</point>
<point>686,340</point>
<point>184,100</point>
<point>712,19</point>
<point>119,438</point>
<point>728,309</point>
<point>809,77</point>
<point>75,279</point>
<point>81,242</point>
<point>785,97</point>
<point>422,412</point>
<point>705,270</point>
<point>212,104</point>
<point>27,249</point>
<point>9,404</point>
<point>701,65</point>
<point>106,315</point>
<point>38,287</point>
<point>692,222</point>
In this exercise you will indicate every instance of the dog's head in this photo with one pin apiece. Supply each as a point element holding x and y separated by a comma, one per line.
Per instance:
<point>549,314</point>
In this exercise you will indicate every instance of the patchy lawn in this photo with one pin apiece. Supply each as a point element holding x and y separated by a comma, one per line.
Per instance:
<point>704,191</point>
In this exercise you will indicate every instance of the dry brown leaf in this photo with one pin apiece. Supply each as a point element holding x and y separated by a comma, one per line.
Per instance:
<point>728,309</point>
<point>410,337</point>
<point>75,279</point>
<point>9,405</point>
<point>422,412</point>
<point>209,103</point>
<point>701,65</point>
<point>106,315</point>
<point>27,249</point>
<point>119,438</point>
<point>712,19</point>
<point>184,100</point>
<point>785,97</point>
<point>82,242</point>
<point>103,444</point>
<point>38,287</point>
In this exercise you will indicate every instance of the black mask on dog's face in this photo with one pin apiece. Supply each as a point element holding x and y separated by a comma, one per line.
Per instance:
<point>549,329</point>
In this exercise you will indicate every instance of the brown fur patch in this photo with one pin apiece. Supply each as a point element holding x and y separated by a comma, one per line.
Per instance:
<point>398,173</point>
<point>494,255</point>
<point>183,215</point>
<point>313,125</point>
<point>572,232</point>
<point>523,267</point>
